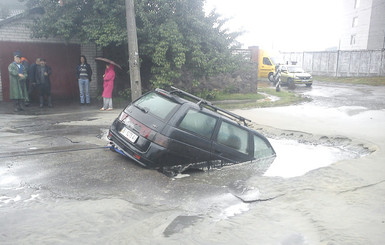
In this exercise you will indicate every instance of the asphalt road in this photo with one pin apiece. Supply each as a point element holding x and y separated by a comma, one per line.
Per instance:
<point>59,184</point>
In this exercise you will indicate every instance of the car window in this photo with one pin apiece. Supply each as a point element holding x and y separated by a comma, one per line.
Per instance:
<point>295,69</point>
<point>261,148</point>
<point>199,123</point>
<point>266,61</point>
<point>156,104</point>
<point>233,136</point>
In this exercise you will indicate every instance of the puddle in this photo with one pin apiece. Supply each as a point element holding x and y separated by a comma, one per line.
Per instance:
<point>269,97</point>
<point>296,159</point>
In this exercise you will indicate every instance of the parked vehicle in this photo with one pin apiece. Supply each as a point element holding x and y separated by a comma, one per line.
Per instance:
<point>173,131</point>
<point>265,62</point>
<point>292,74</point>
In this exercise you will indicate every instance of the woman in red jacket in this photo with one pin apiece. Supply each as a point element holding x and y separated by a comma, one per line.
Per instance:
<point>108,86</point>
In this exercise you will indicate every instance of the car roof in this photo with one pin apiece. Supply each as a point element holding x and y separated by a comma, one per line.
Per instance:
<point>204,105</point>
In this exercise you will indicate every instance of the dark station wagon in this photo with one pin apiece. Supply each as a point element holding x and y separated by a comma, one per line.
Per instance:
<point>173,131</point>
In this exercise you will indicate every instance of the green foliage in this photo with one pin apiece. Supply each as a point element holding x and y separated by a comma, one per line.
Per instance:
<point>208,94</point>
<point>126,93</point>
<point>373,81</point>
<point>174,36</point>
<point>260,99</point>
<point>98,21</point>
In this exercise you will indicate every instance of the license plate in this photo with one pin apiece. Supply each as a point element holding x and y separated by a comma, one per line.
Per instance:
<point>129,135</point>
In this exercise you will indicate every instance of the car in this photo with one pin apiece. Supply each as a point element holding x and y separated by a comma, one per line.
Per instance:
<point>293,74</point>
<point>174,131</point>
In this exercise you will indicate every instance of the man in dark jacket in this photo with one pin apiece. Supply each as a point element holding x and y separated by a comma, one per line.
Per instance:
<point>84,73</point>
<point>32,78</point>
<point>43,72</point>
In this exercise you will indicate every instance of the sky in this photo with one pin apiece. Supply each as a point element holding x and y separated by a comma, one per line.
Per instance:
<point>283,25</point>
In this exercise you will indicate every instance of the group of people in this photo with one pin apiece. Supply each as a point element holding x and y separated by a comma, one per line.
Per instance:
<point>24,78</point>
<point>84,74</point>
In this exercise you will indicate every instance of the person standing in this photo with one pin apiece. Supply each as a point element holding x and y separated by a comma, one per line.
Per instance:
<point>84,74</point>
<point>108,86</point>
<point>32,78</point>
<point>43,73</point>
<point>17,76</point>
<point>25,62</point>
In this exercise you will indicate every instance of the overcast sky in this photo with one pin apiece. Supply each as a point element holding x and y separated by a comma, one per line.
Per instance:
<point>283,25</point>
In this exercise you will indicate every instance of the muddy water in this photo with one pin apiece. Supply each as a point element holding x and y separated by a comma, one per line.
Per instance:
<point>295,159</point>
<point>117,202</point>
<point>198,207</point>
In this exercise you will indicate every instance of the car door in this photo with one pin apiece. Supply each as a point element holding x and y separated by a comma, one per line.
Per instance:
<point>231,144</point>
<point>192,136</point>
<point>266,67</point>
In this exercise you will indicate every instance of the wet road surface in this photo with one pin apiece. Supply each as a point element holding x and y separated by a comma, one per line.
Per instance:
<point>60,185</point>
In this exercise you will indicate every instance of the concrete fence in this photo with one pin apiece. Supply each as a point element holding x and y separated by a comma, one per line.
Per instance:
<point>353,63</point>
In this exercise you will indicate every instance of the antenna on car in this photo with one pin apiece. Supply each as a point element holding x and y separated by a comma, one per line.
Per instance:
<point>209,104</point>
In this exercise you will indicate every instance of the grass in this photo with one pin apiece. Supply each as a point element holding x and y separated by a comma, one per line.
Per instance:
<point>260,99</point>
<point>374,81</point>
<point>253,100</point>
<point>265,91</point>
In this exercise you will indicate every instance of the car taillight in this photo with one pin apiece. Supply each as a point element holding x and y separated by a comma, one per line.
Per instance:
<point>137,156</point>
<point>161,140</point>
<point>123,116</point>
<point>144,131</point>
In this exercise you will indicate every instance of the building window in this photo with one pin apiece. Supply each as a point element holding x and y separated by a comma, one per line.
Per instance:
<point>356,4</point>
<point>355,22</point>
<point>352,39</point>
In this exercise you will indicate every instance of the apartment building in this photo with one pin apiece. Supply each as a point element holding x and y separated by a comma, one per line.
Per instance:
<point>363,25</point>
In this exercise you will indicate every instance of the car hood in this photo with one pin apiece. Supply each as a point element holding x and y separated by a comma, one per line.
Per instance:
<point>301,74</point>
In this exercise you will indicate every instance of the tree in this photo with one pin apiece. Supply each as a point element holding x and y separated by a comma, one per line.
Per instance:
<point>98,21</point>
<point>175,36</point>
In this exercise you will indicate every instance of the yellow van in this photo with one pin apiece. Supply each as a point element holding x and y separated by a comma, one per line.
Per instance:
<point>265,64</point>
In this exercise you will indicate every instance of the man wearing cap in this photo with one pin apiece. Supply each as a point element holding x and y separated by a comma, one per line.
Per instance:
<point>17,76</point>
<point>42,75</point>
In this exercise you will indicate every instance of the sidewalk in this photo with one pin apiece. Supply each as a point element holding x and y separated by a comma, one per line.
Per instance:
<point>59,106</point>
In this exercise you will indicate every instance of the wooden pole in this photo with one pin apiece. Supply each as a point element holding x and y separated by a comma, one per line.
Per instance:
<point>133,53</point>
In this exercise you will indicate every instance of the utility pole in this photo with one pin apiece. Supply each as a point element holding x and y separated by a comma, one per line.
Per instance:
<point>133,53</point>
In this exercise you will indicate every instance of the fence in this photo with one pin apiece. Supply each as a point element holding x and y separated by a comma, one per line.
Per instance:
<point>354,63</point>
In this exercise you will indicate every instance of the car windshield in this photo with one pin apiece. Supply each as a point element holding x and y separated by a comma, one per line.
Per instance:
<point>155,104</point>
<point>295,69</point>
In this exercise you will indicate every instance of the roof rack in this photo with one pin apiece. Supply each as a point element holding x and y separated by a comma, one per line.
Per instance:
<point>209,104</point>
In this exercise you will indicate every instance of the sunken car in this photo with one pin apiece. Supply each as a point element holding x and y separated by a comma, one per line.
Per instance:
<point>173,131</point>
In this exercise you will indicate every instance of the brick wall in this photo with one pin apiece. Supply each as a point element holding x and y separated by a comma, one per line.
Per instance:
<point>16,30</point>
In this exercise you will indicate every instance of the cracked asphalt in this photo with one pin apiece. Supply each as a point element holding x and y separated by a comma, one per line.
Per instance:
<point>59,184</point>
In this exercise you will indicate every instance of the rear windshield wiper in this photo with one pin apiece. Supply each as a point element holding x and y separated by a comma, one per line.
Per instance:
<point>141,108</point>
